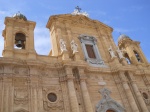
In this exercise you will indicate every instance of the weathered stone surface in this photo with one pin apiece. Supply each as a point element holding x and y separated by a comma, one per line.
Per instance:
<point>26,78</point>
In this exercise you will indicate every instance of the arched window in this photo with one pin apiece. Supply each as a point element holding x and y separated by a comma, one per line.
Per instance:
<point>137,56</point>
<point>110,111</point>
<point>145,95</point>
<point>20,40</point>
<point>127,58</point>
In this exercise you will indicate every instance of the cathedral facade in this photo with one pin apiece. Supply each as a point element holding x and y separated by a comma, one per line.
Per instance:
<point>85,70</point>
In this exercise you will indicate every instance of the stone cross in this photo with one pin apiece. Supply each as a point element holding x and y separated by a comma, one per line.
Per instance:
<point>78,8</point>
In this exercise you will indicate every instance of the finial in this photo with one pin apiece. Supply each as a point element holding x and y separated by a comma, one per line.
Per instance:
<point>78,11</point>
<point>78,8</point>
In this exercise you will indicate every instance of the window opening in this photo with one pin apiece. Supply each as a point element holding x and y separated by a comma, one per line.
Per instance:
<point>127,58</point>
<point>90,51</point>
<point>145,95</point>
<point>110,111</point>
<point>137,56</point>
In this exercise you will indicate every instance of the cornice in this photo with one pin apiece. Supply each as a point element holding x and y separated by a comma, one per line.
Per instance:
<point>71,19</point>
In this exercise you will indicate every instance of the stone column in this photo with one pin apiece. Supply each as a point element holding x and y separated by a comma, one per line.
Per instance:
<point>128,92</point>
<point>137,93</point>
<point>85,93</point>
<point>71,89</point>
<point>86,96</point>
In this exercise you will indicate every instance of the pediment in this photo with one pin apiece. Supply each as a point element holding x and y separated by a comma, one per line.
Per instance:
<point>77,20</point>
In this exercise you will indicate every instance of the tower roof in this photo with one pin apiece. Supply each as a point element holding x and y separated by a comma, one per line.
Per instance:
<point>123,37</point>
<point>20,16</point>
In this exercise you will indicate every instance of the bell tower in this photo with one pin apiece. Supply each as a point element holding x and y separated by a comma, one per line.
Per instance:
<point>19,37</point>
<point>132,50</point>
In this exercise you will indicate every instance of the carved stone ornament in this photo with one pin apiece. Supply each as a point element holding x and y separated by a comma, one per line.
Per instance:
<point>145,94</point>
<point>107,103</point>
<point>21,96</point>
<point>112,54</point>
<point>74,46</point>
<point>21,71</point>
<point>87,37</point>
<point>49,105</point>
<point>62,45</point>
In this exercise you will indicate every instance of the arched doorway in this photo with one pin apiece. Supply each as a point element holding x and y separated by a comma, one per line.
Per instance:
<point>110,111</point>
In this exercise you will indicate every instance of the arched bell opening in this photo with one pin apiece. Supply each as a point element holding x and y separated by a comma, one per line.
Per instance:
<point>137,56</point>
<point>110,110</point>
<point>127,58</point>
<point>20,40</point>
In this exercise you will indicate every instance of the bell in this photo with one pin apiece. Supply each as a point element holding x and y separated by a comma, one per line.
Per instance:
<point>19,43</point>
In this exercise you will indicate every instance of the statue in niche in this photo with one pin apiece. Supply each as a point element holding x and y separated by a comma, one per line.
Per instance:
<point>62,45</point>
<point>74,46</point>
<point>112,54</point>
<point>120,53</point>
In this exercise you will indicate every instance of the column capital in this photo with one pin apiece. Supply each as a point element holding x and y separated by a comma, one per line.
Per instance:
<point>70,77</point>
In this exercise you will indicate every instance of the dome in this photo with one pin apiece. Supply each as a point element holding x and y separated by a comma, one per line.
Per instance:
<point>20,16</point>
<point>123,37</point>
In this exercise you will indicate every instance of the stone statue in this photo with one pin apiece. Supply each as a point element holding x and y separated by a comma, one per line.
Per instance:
<point>112,54</point>
<point>62,45</point>
<point>74,46</point>
<point>120,53</point>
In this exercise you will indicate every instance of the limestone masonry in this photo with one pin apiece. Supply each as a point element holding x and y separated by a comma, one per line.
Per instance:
<point>84,72</point>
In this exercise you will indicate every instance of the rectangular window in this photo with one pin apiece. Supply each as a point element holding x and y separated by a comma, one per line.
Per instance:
<point>90,51</point>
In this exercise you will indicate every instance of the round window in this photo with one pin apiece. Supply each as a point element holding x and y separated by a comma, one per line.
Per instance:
<point>52,97</point>
<point>145,95</point>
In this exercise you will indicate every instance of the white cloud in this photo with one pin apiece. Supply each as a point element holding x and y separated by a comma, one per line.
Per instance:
<point>122,30</point>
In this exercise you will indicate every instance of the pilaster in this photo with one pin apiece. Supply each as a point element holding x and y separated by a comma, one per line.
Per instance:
<point>137,93</point>
<point>128,92</point>
<point>85,93</point>
<point>71,90</point>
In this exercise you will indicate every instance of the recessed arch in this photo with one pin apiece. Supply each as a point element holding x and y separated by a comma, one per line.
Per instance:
<point>137,56</point>
<point>127,58</point>
<point>20,40</point>
<point>110,110</point>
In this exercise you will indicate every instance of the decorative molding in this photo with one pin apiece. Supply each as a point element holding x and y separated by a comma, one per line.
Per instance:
<point>107,103</point>
<point>146,91</point>
<point>90,40</point>
<point>48,105</point>
<point>21,96</point>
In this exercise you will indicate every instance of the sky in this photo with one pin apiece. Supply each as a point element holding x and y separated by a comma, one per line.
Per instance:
<point>130,17</point>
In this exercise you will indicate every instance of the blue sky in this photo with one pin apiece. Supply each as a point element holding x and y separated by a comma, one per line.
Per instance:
<point>130,17</point>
